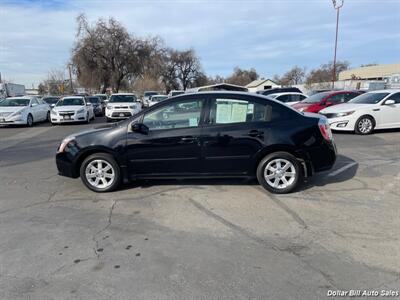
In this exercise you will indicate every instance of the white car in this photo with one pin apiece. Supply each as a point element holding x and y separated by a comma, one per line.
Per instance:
<point>23,111</point>
<point>122,106</point>
<point>156,98</point>
<point>72,109</point>
<point>364,113</point>
<point>289,98</point>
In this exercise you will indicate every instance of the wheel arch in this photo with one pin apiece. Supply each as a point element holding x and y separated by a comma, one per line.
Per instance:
<point>299,155</point>
<point>87,152</point>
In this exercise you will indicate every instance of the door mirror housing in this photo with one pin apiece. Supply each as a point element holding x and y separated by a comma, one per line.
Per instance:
<point>52,105</point>
<point>140,128</point>
<point>328,103</point>
<point>390,102</point>
<point>88,104</point>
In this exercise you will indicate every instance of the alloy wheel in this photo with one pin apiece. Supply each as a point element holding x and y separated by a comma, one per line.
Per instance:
<point>100,173</point>
<point>365,125</point>
<point>280,173</point>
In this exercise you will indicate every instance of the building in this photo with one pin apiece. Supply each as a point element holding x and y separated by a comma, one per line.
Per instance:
<point>218,87</point>
<point>377,72</point>
<point>261,84</point>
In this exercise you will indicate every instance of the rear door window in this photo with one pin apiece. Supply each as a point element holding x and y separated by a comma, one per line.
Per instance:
<point>229,111</point>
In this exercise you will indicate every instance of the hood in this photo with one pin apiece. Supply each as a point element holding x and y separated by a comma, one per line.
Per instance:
<point>345,107</point>
<point>11,109</point>
<point>104,127</point>
<point>68,108</point>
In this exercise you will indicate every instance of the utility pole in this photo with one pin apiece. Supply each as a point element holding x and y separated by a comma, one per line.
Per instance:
<point>336,6</point>
<point>70,78</point>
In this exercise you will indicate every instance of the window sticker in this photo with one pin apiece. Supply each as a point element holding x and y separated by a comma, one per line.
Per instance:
<point>193,122</point>
<point>232,111</point>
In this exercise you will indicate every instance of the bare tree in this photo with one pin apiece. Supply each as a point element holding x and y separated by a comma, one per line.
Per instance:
<point>324,72</point>
<point>295,75</point>
<point>242,77</point>
<point>105,54</point>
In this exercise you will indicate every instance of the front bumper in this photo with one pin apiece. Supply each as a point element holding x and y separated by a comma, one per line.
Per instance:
<point>342,124</point>
<point>120,114</point>
<point>12,122</point>
<point>70,119</point>
<point>64,166</point>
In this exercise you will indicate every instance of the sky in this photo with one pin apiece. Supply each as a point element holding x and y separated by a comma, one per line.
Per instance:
<point>270,35</point>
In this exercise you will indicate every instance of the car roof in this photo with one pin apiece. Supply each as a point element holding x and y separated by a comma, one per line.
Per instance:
<point>391,91</point>
<point>73,97</point>
<point>22,97</point>
<point>123,94</point>
<point>286,93</point>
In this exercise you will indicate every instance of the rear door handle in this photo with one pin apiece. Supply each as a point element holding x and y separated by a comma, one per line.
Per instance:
<point>188,139</point>
<point>255,133</point>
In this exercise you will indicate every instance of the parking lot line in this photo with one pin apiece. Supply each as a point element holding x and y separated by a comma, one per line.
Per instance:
<point>342,169</point>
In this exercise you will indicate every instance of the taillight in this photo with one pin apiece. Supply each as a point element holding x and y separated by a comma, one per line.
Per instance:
<point>325,129</point>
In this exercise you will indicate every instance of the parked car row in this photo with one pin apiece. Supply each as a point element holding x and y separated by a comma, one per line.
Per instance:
<point>355,110</point>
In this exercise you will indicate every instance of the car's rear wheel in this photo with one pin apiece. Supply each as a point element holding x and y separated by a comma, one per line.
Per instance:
<point>29,120</point>
<point>364,125</point>
<point>279,173</point>
<point>100,172</point>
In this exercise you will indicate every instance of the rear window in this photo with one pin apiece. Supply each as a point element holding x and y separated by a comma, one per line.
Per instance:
<point>122,98</point>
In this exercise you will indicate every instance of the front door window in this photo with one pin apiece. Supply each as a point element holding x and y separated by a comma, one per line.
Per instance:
<point>182,114</point>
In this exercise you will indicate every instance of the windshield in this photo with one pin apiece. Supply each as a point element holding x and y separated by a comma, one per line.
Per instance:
<point>102,97</point>
<point>93,100</point>
<point>369,98</point>
<point>158,99</point>
<point>315,98</point>
<point>177,93</point>
<point>50,100</point>
<point>122,98</point>
<point>15,102</point>
<point>148,94</point>
<point>71,101</point>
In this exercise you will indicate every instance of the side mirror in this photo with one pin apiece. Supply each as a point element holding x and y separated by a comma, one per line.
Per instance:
<point>52,105</point>
<point>89,104</point>
<point>328,103</point>
<point>390,102</point>
<point>140,128</point>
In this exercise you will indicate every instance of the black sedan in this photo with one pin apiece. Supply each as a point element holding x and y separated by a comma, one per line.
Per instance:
<point>203,135</point>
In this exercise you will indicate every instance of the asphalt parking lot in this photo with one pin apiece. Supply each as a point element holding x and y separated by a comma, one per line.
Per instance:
<point>208,239</point>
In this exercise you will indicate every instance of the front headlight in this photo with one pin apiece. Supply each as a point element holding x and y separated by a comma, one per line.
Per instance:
<point>81,111</point>
<point>109,107</point>
<point>64,143</point>
<point>343,114</point>
<point>53,113</point>
<point>17,114</point>
<point>132,106</point>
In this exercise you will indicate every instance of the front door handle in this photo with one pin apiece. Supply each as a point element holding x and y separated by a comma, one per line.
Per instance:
<point>255,133</point>
<point>188,139</point>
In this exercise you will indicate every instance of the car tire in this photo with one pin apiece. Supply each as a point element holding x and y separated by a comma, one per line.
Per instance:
<point>48,117</point>
<point>364,125</point>
<point>109,170</point>
<point>29,120</point>
<point>279,173</point>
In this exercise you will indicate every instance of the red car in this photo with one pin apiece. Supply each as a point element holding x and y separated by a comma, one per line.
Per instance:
<point>319,101</point>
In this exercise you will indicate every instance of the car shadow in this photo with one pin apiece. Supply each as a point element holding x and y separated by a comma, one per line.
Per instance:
<point>376,131</point>
<point>344,169</point>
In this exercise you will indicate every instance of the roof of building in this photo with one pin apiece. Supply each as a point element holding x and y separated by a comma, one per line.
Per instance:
<point>370,72</point>
<point>217,87</point>
<point>259,82</point>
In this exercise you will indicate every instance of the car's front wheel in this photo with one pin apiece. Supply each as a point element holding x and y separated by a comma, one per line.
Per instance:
<point>279,173</point>
<point>364,125</point>
<point>29,120</point>
<point>100,172</point>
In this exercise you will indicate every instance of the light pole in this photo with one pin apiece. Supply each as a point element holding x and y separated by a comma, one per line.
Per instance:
<point>336,6</point>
